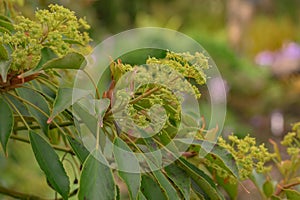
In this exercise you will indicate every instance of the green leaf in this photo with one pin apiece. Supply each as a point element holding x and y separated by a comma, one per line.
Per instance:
<point>89,120</point>
<point>154,161</point>
<point>48,91</point>
<point>70,61</point>
<point>118,195</point>
<point>128,167</point>
<point>49,162</point>
<point>91,112</point>
<point>5,62</point>
<point>166,186</point>
<point>4,18</point>
<point>4,67</point>
<point>150,189</point>
<point>96,180</point>
<point>198,191</point>
<point>258,179</point>
<point>180,178</point>
<point>224,160</point>
<point>276,150</point>
<point>3,53</point>
<point>81,152</point>
<point>201,179</point>
<point>141,196</point>
<point>168,189</point>
<point>189,121</point>
<point>218,153</point>
<point>19,105</point>
<point>4,30</point>
<point>6,123</point>
<point>226,157</point>
<point>101,106</point>
<point>105,81</point>
<point>292,194</point>
<point>273,197</point>
<point>268,188</point>
<point>154,155</point>
<point>64,99</point>
<point>6,24</point>
<point>169,143</point>
<point>47,55</point>
<point>54,136</point>
<point>39,101</point>
<point>230,188</point>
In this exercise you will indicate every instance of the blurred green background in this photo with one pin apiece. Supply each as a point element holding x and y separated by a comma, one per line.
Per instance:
<point>254,43</point>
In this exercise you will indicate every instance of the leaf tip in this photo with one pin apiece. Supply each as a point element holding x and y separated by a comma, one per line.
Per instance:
<point>4,148</point>
<point>23,75</point>
<point>49,121</point>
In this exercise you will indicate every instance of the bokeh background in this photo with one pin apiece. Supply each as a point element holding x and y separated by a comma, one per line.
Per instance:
<point>254,43</point>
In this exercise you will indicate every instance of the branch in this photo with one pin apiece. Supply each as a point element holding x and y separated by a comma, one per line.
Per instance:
<point>146,94</point>
<point>56,147</point>
<point>280,188</point>
<point>18,195</point>
<point>51,126</point>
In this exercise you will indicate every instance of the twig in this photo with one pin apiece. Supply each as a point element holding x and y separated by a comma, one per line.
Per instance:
<point>280,188</point>
<point>148,93</point>
<point>18,195</point>
<point>63,124</point>
<point>56,147</point>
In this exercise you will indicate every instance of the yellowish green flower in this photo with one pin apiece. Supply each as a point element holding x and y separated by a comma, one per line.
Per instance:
<point>247,155</point>
<point>56,28</point>
<point>288,139</point>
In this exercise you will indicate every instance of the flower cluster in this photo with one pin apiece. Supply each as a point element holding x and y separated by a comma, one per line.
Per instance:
<point>161,81</point>
<point>177,69</point>
<point>139,112</point>
<point>190,66</point>
<point>292,141</point>
<point>247,155</point>
<point>57,28</point>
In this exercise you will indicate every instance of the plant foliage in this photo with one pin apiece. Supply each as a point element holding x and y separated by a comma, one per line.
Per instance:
<point>37,109</point>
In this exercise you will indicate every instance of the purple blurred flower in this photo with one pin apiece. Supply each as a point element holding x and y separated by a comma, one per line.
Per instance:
<point>291,51</point>
<point>265,58</point>
<point>282,62</point>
